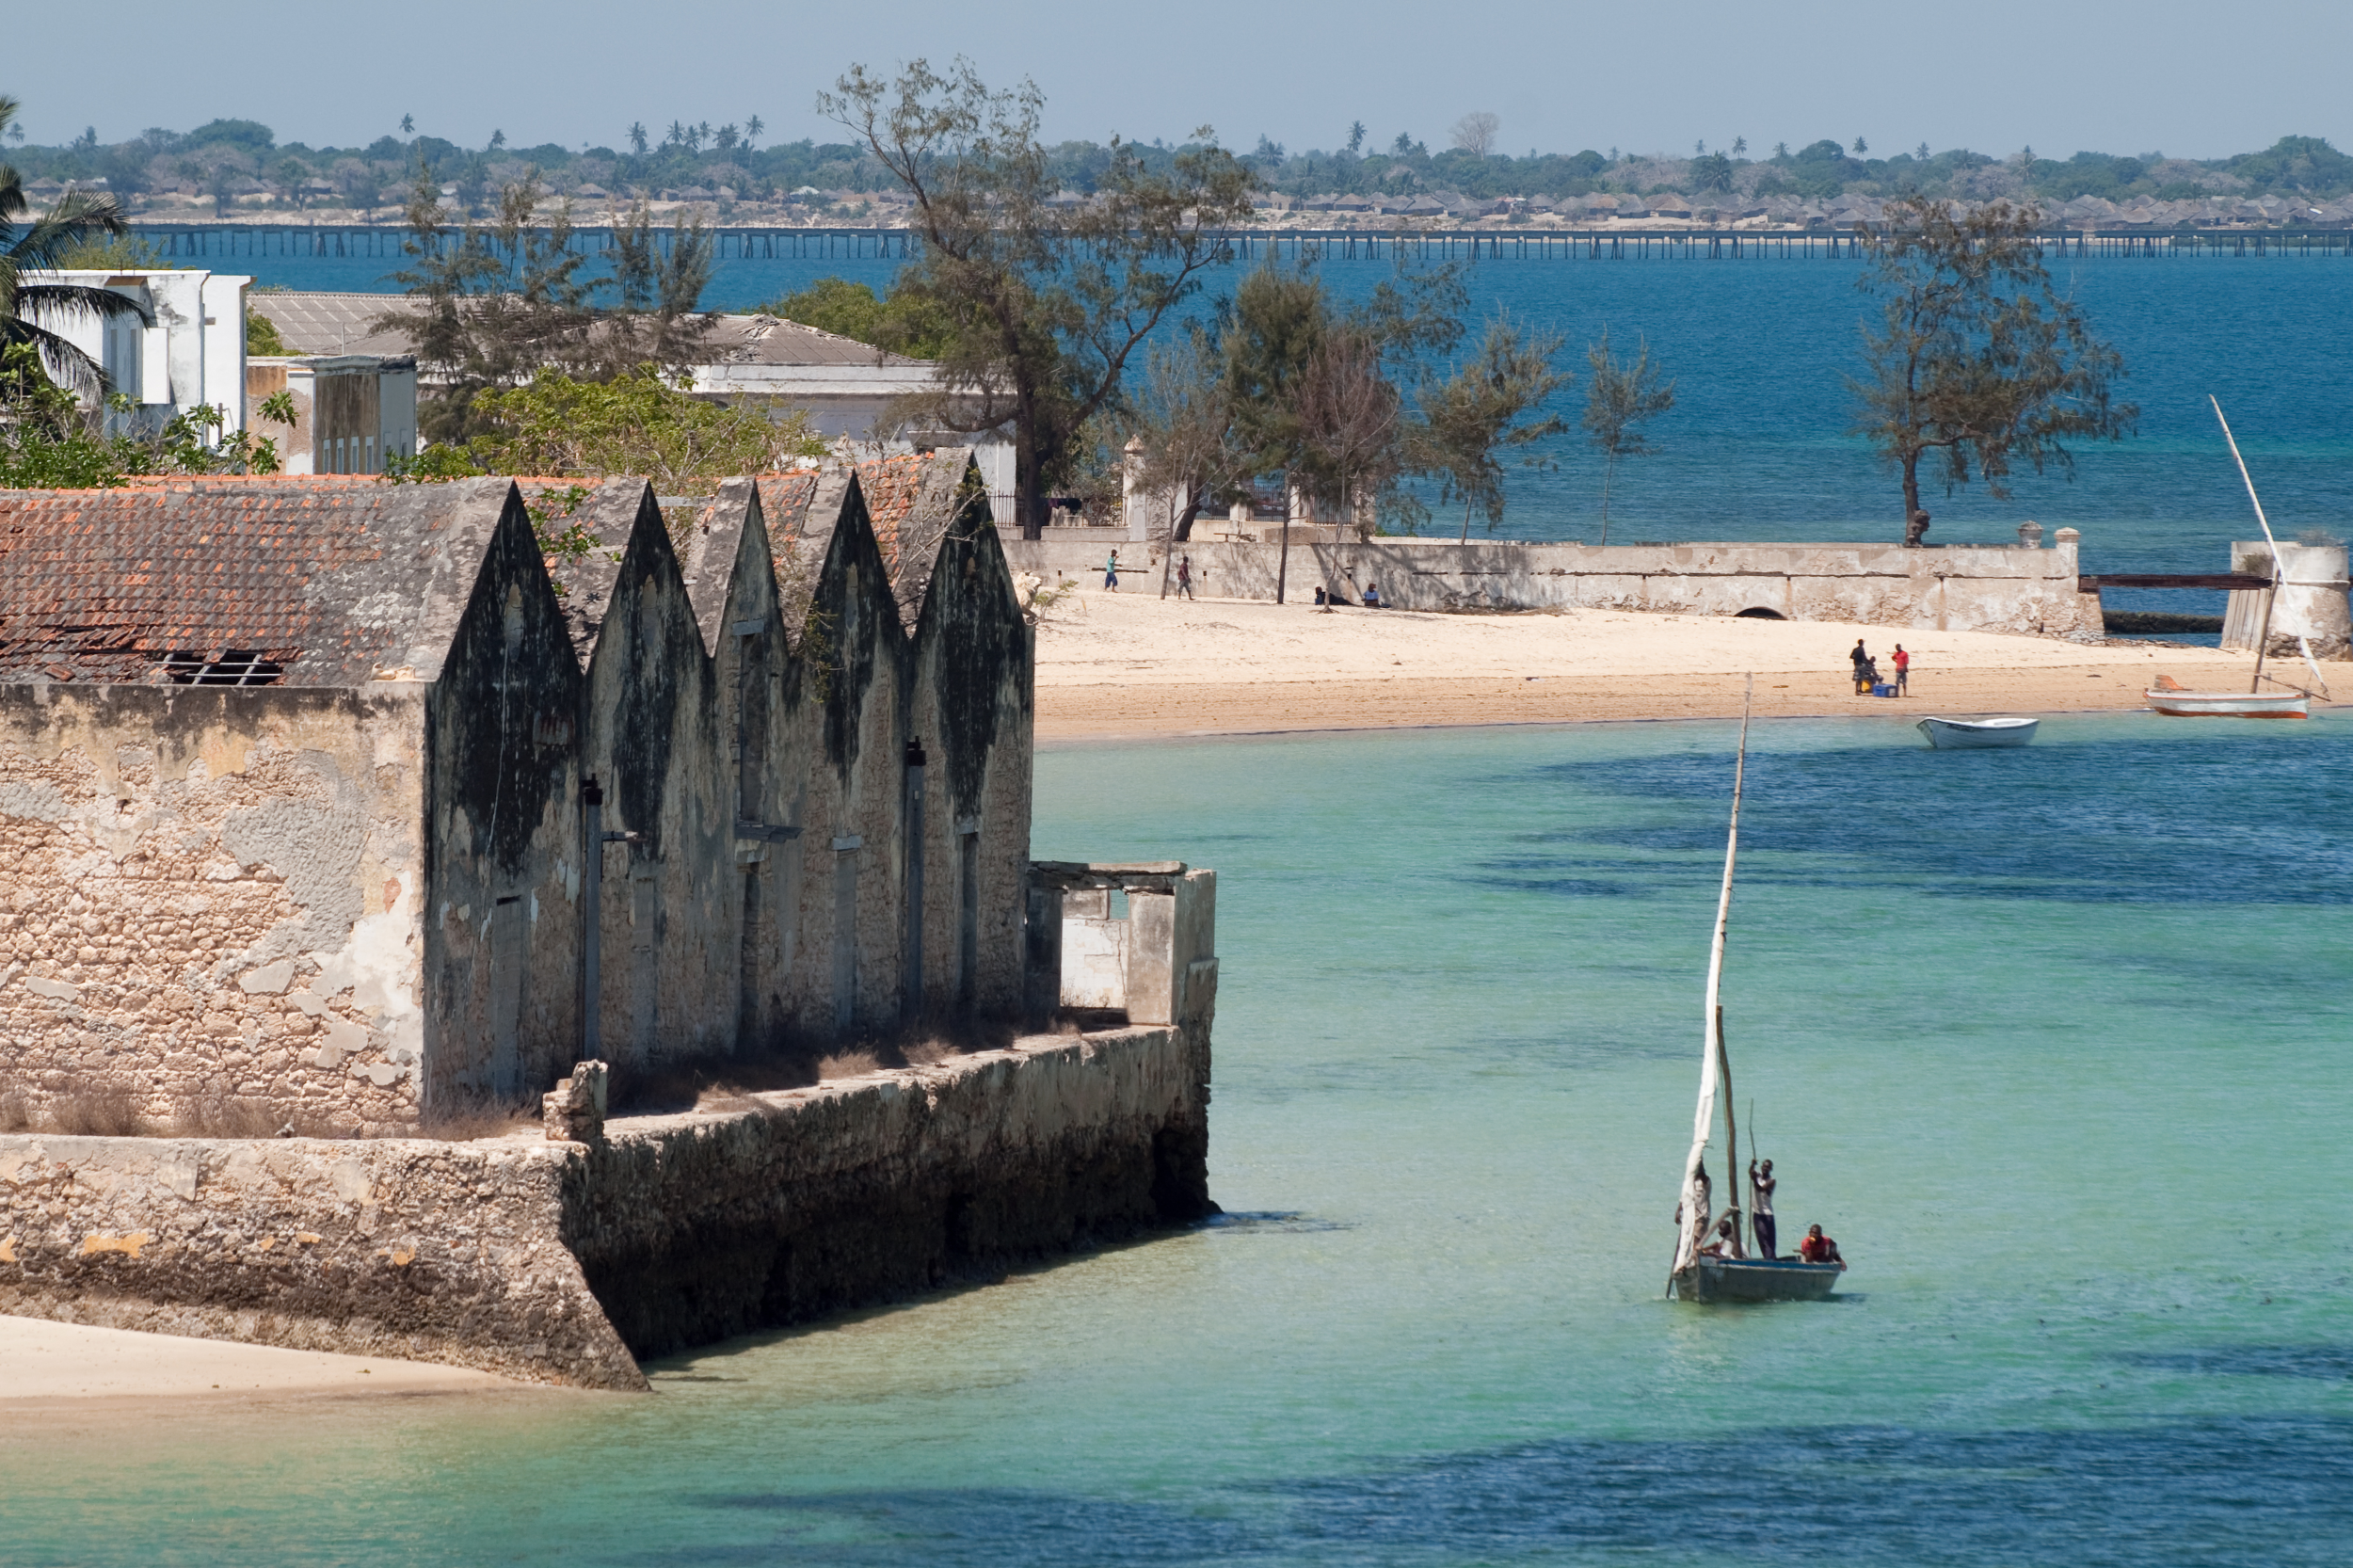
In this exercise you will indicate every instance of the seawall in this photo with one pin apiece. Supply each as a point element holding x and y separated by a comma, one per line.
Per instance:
<point>564,1262</point>
<point>2013,588</point>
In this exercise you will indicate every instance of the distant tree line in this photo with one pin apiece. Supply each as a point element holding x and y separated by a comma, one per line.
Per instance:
<point>226,158</point>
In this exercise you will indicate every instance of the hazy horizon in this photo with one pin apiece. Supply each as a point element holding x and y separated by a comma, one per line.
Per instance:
<point>1559,77</point>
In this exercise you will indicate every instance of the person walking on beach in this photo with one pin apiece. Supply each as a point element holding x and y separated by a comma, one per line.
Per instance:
<point>1903,667</point>
<point>1111,574</point>
<point>1861,662</point>
<point>1184,578</point>
<point>1761,1184</point>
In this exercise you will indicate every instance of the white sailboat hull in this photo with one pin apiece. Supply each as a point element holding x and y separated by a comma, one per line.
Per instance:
<point>1963,734</point>
<point>2229,705</point>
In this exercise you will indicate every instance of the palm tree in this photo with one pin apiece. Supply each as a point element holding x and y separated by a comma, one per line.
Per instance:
<point>78,216</point>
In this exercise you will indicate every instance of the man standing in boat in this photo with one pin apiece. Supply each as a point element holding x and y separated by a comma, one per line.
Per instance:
<point>1761,1184</point>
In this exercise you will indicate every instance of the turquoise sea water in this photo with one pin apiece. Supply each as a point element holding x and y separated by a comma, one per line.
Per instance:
<point>2051,1040</point>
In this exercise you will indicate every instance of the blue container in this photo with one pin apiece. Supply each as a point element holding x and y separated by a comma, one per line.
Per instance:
<point>1882,689</point>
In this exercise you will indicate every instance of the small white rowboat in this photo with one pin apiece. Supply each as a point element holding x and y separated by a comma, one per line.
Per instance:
<point>1958,734</point>
<point>2229,705</point>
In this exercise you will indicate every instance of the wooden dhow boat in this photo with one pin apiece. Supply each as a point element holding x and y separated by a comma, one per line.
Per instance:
<point>2171,697</point>
<point>1699,1275</point>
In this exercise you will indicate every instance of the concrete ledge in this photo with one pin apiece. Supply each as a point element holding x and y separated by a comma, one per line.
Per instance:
<point>554,1262</point>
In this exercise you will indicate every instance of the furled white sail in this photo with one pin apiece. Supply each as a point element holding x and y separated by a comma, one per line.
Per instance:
<point>1695,1217</point>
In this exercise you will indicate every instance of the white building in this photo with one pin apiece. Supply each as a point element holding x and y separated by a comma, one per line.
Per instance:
<point>193,355</point>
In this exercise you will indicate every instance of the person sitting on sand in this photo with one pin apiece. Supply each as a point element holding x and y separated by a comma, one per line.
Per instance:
<point>1818,1248</point>
<point>1373,595</point>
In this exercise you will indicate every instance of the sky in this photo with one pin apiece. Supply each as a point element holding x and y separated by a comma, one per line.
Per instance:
<point>2059,75</point>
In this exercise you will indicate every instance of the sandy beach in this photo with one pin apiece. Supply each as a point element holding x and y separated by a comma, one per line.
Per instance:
<point>47,1363</point>
<point>1130,665</point>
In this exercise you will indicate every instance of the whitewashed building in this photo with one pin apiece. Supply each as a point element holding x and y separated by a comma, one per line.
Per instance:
<point>192,355</point>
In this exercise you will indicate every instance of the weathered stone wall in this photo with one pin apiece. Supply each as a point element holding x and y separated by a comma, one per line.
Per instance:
<point>553,1261</point>
<point>851,725</point>
<point>502,937</point>
<point>974,707</point>
<point>428,1251</point>
<point>668,959</point>
<point>209,906</point>
<point>1950,588</point>
<point>2312,603</point>
<point>694,1227</point>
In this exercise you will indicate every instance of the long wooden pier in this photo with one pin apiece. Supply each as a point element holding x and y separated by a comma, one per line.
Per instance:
<point>229,240</point>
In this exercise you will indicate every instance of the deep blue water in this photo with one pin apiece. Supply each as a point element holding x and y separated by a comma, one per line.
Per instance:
<point>1756,446</point>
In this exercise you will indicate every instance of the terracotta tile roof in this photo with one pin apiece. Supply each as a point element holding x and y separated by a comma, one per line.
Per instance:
<point>910,499</point>
<point>336,580</point>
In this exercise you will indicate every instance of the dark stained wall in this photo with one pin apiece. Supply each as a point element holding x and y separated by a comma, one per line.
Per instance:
<point>669,942</point>
<point>501,919</point>
<point>972,708</point>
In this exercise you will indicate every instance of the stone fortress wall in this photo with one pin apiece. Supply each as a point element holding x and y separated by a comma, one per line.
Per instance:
<point>565,1259</point>
<point>1947,589</point>
<point>348,897</point>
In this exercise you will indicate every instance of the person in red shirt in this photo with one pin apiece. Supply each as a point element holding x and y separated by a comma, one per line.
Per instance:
<point>1903,667</point>
<point>1818,1248</point>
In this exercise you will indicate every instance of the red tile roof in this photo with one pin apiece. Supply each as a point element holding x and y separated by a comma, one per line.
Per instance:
<point>337,579</point>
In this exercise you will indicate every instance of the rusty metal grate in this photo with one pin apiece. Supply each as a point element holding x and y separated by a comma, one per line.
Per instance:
<point>234,667</point>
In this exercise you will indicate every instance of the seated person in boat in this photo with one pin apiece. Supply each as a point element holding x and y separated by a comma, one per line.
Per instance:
<point>1818,1248</point>
<point>1725,1243</point>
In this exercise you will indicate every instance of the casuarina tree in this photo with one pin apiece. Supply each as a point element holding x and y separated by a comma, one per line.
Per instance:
<point>1482,410</point>
<point>1050,298</point>
<point>1618,400</point>
<point>1977,362</point>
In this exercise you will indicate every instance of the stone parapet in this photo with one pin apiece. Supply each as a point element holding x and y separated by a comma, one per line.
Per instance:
<point>1945,588</point>
<point>555,1261</point>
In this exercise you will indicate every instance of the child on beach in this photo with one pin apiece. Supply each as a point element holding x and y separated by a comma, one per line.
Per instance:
<point>1111,572</point>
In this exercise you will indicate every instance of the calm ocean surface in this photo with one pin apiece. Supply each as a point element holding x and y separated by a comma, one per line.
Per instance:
<point>1756,446</point>
<point>2051,1040</point>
